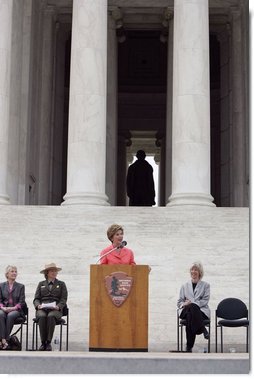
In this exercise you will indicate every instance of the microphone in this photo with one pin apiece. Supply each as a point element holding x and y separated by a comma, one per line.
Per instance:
<point>122,244</point>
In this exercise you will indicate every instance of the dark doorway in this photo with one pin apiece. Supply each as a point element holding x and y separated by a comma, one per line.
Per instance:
<point>215,119</point>
<point>142,86</point>
<point>61,114</point>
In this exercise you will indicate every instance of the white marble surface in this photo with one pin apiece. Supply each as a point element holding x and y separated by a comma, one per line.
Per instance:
<point>191,157</point>
<point>14,112</point>
<point>87,107</point>
<point>169,239</point>
<point>191,109</point>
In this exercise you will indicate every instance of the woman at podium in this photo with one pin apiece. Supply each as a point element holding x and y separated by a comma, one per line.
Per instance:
<point>116,253</point>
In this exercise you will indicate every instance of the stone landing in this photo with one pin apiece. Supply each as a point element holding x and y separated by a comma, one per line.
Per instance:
<point>122,363</point>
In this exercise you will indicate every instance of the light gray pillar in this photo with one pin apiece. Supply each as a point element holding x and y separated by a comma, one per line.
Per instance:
<point>191,105</point>
<point>87,107</point>
<point>168,147</point>
<point>238,172</point>
<point>111,153</point>
<point>27,37</point>
<point>6,7</point>
<point>161,143</point>
<point>14,129</point>
<point>122,165</point>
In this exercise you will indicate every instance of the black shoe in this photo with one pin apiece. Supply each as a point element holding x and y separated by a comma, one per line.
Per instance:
<point>48,347</point>
<point>206,334</point>
<point>42,347</point>
<point>188,349</point>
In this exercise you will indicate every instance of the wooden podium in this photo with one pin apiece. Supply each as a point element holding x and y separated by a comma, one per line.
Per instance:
<point>118,308</point>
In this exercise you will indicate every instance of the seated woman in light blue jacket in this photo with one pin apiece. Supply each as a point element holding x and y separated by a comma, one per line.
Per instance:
<point>193,304</point>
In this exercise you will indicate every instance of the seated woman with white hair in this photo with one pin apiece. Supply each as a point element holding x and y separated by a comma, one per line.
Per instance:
<point>12,302</point>
<point>193,304</point>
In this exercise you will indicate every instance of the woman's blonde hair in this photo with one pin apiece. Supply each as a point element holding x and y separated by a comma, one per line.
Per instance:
<point>112,231</point>
<point>9,268</point>
<point>200,268</point>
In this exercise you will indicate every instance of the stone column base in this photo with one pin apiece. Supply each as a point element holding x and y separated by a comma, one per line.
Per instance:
<point>190,199</point>
<point>4,199</point>
<point>85,198</point>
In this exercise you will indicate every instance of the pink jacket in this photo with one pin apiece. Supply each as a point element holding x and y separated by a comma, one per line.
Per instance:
<point>122,256</point>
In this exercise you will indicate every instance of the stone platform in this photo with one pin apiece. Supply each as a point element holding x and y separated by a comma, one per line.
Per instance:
<point>122,363</point>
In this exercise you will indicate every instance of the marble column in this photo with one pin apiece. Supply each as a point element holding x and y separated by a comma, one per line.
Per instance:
<point>191,105</point>
<point>122,166</point>
<point>6,7</point>
<point>111,146</point>
<point>239,109</point>
<point>161,161</point>
<point>26,65</point>
<point>168,147</point>
<point>87,107</point>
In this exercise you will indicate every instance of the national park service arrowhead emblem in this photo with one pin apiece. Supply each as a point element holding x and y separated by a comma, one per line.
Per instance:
<point>118,285</point>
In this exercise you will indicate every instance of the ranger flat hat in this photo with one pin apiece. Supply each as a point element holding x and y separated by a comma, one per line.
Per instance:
<point>49,267</point>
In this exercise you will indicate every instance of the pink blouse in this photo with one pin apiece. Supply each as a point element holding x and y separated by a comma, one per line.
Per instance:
<point>122,256</point>
<point>10,300</point>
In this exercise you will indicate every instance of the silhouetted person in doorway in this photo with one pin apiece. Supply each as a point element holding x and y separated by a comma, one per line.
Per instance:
<point>140,184</point>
